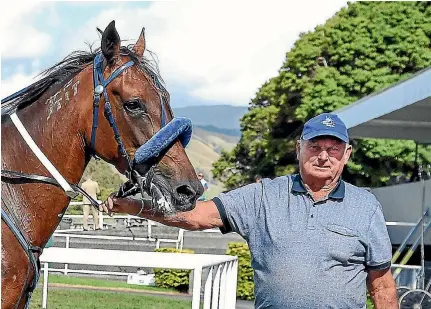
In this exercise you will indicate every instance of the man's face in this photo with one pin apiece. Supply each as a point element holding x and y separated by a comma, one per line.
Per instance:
<point>200,176</point>
<point>323,157</point>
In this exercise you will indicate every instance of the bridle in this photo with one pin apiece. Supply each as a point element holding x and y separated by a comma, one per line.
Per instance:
<point>136,181</point>
<point>100,85</point>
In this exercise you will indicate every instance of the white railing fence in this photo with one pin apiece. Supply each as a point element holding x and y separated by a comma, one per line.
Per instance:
<point>220,285</point>
<point>178,244</point>
<point>103,216</point>
<point>128,220</point>
<point>91,215</point>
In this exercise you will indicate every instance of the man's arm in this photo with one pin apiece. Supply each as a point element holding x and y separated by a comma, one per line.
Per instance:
<point>382,289</point>
<point>204,216</point>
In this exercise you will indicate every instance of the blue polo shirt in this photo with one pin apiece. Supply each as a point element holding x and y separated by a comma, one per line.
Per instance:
<point>308,254</point>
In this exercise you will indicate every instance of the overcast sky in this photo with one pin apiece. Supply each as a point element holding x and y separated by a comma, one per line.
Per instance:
<point>209,52</point>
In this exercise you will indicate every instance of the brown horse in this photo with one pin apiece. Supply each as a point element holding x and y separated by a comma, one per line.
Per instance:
<point>58,112</point>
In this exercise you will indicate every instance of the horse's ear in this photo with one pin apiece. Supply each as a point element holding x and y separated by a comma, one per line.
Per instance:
<point>139,47</point>
<point>110,43</point>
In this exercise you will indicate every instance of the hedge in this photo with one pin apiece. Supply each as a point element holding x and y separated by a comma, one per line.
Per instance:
<point>245,286</point>
<point>172,278</point>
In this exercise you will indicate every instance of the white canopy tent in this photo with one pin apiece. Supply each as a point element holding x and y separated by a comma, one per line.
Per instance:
<point>402,111</point>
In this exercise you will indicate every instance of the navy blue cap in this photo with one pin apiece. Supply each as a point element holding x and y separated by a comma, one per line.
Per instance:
<point>325,124</point>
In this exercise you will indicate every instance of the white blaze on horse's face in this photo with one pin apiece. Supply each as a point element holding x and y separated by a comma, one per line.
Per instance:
<point>164,205</point>
<point>70,89</point>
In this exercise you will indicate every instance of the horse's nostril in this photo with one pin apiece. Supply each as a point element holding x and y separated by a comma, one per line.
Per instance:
<point>185,192</point>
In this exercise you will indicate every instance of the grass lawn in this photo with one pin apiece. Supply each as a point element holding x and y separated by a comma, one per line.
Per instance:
<point>72,299</point>
<point>102,283</point>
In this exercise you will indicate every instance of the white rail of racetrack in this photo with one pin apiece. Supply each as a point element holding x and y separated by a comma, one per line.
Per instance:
<point>178,241</point>
<point>219,286</point>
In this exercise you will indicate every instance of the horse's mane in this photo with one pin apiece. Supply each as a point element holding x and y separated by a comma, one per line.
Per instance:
<point>72,64</point>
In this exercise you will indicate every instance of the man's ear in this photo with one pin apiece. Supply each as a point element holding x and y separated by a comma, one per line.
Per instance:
<point>347,154</point>
<point>298,149</point>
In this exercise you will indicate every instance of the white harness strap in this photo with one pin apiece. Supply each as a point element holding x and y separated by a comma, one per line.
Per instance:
<point>53,171</point>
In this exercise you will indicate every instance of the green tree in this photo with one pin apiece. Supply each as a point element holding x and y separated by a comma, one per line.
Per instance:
<point>364,48</point>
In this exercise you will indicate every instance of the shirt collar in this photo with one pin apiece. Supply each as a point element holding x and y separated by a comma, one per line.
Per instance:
<point>337,193</point>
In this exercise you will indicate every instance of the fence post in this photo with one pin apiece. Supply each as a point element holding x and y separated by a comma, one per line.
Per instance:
<point>197,278</point>
<point>66,266</point>
<point>101,220</point>
<point>45,286</point>
<point>216,288</point>
<point>149,231</point>
<point>234,282</point>
<point>181,238</point>
<point>230,285</point>
<point>223,283</point>
<point>208,286</point>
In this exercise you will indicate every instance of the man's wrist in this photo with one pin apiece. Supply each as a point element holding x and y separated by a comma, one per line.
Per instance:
<point>126,205</point>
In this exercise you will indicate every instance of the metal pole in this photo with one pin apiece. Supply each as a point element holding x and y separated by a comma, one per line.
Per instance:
<point>422,278</point>
<point>411,251</point>
<point>409,235</point>
<point>422,273</point>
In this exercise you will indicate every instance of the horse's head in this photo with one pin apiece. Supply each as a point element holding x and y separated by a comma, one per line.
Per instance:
<point>140,109</point>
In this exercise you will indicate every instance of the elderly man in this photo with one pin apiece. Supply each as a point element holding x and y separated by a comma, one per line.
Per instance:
<point>316,241</point>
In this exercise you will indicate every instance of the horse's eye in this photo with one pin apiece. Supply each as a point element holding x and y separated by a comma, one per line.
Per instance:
<point>134,106</point>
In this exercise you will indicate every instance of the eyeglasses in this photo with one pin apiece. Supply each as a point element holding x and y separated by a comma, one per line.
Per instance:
<point>332,151</point>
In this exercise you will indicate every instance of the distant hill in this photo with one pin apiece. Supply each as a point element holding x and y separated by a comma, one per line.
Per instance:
<point>227,132</point>
<point>205,148</point>
<point>218,116</point>
<point>225,140</point>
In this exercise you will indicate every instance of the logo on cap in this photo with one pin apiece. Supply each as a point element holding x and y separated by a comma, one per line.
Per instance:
<point>328,122</point>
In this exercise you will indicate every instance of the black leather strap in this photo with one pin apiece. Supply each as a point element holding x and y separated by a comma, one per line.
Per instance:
<point>17,177</point>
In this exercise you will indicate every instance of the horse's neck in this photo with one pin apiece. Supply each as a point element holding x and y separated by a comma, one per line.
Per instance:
<point>54,124</point>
